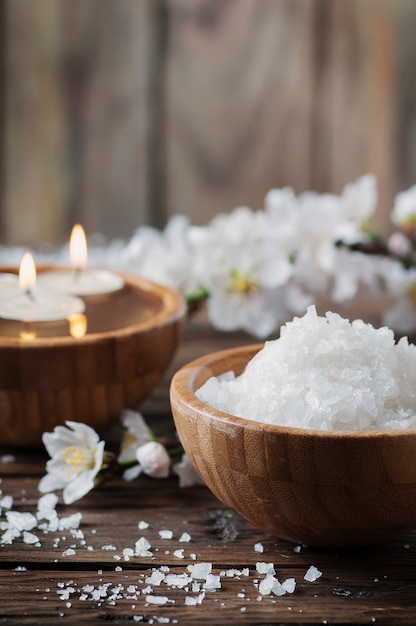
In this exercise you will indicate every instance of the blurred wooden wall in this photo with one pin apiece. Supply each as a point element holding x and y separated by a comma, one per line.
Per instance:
<point>120,113</point>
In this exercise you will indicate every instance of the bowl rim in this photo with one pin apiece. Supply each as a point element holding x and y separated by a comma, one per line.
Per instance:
<point>182,392</point>
<point>173,309</point>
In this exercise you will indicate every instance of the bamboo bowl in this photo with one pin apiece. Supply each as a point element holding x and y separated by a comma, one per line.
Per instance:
<point>327,489</point>
<point>48,376</point>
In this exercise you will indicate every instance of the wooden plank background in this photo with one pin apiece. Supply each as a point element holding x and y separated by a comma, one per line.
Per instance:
<point>117,114</point>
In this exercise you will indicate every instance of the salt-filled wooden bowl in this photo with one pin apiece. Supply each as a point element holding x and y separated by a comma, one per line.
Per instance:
<point>318,488</point>
<point>51,372</point>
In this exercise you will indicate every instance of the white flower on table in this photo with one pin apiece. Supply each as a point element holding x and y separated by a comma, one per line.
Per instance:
<point>136,434</point>
<point>76,458</point>
<point>153,459</point>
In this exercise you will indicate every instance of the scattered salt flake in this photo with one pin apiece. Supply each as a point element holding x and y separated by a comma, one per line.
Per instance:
<point>71,521</point>
<point>118,568</point>
<point>297,549</point>
<point>157,600</point>
<point>6,502</point>
<point>312,574</point>
<point>265,568</point>
<point>30,538</point>
<point>266,585</point>
<point>190,601</point>
<point>7,458</point>
<point>200,570</point>
<point>165,534</point>
<point>69,552</point>
<point>21,521</point>
<point>178,580</point>
<point>185,538</point>
<point>108,546</point>
<point>289,585</point>
<point>142,547</point>
<point>20,568</point>
<point>155,578</point>
<point>9,536</point>
<point>142,525</point>
<point>179,554</point>
<point>258,547</point>
<point>212,582</point>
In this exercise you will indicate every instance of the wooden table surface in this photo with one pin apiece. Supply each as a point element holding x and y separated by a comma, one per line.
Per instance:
<point>88,576</point>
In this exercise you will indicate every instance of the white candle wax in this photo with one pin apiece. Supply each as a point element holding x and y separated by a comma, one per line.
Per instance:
<point>40,305</point>
<point>9,285</point>
<point>83,282</point>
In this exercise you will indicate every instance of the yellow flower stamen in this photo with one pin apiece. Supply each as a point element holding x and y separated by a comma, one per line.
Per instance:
<point>242,282</point>
<point>78,458</point>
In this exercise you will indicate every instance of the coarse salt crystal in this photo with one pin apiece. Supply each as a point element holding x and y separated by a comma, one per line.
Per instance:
<point>142,547</point>
<point>142,525</point>
<point>165,534</point>
<point>265,568</point>
<point>6,502</point>
<point>212,583</point>
<point>185,538</point>
<point>179,554</point>
<point>200,571</point>
<point>324,373</point>
<point>29,537</point>
<point>289,585</point>
<point>312,574</point>
<point>21,521</point>
<point>258,547</point>
<point>160,600</point>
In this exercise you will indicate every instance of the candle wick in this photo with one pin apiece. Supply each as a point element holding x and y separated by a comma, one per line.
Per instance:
<point>29,294</point>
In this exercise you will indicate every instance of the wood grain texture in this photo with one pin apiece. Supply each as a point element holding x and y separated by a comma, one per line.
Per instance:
<point>319,488</point>
<point>356,587</point>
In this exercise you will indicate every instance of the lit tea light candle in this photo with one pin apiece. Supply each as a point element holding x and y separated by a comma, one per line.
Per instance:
<point>35,304</point>
<point>80,280</point>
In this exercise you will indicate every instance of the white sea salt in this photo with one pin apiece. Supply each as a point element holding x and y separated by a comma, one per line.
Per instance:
<point>258,547</point>
<point>312,574</point>
<point>160,600</point>
<point>142,525</point>
<point>200,571</point>
<point>179,554</point>
<point>185,538</point>
<point>165,534</point>
<point>324,373</point>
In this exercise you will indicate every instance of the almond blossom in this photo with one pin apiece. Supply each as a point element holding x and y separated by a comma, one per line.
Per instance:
<point>77,456</point>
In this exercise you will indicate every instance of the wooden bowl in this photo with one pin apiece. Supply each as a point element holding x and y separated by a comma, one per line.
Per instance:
<point>48,376</point>
<point>329,489</point>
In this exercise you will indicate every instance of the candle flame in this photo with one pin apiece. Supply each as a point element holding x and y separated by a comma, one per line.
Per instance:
<point>27,272</point>
<point>78,247</point>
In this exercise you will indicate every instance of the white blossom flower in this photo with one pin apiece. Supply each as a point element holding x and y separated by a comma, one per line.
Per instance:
<point>153,459</point>
<point>401,286</point>
<point>76,458</point>
<point>243,269</point>
<point>404,209</point>
<point>186,472</point>
<point>136,434</point>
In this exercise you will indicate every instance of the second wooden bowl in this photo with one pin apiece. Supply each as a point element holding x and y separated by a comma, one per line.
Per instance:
<point>329,489</point>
